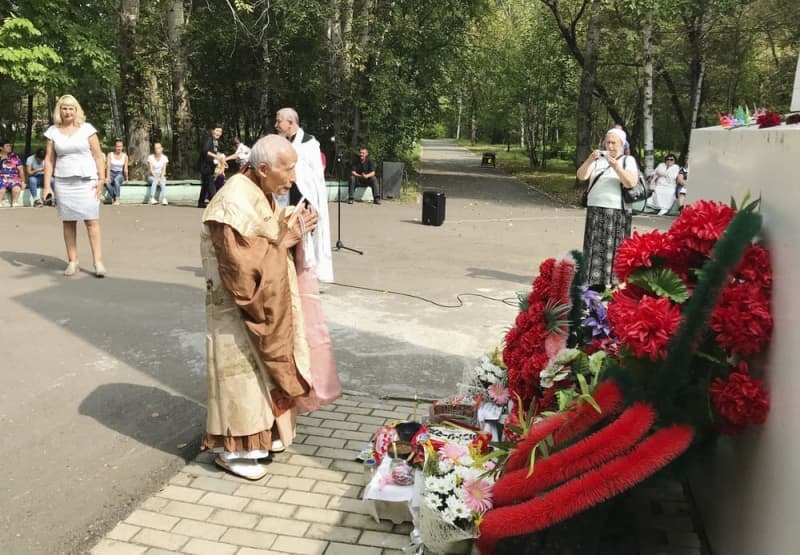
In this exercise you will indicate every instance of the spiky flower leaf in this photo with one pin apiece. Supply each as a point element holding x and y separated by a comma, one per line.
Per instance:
<point>662,282</point>
<point>555,316</point>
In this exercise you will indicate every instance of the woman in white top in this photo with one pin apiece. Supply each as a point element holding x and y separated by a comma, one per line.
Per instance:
<point>157,173</point>
<point>116,170</point>
<point>664,185</point>
<point>75,160</point>
<point>608,220</point>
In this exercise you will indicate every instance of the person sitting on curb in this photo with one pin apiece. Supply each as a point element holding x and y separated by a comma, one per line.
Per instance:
<point>116,171</point>
<point>682,180</point>
<point>664,182</point>
<point>363,175</point>
<point>157,173</point>
<point>35,166</point>
<point>12,174</point>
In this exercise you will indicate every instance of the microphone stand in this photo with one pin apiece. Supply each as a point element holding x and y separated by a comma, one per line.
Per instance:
<point>339,245</point>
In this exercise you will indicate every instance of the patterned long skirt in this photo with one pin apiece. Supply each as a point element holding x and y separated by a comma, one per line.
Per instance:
<point>605,229</point>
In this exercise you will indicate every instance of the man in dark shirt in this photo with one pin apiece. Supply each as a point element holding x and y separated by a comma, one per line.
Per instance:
<point>363,175</point>
<point>210,156</point>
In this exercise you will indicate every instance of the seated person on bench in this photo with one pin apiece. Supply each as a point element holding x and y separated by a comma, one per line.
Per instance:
<point>363,175</point>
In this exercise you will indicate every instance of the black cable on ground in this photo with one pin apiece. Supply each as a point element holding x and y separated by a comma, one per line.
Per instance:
<point>510,301</point>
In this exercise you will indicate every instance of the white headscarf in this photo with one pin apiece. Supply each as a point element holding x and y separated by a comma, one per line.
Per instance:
<point>623,137</point>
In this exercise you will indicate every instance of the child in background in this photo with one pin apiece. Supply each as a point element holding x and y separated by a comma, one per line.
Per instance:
<point>219,173</point>
<point>157,173</point>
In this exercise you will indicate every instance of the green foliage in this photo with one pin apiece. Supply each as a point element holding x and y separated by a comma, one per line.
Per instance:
<point>662,282</point>
<point>575,294</point>
<point>21,58</point>
<point>385,74</point>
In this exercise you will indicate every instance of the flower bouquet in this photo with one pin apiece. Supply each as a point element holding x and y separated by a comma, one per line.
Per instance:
<point>488,380</point>
<point>456,494</point>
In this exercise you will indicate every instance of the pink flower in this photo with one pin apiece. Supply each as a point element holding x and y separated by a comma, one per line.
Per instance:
<point>489,465</point>
<point>499,394</point>
<point>477,495</point>
<point>453,452</point>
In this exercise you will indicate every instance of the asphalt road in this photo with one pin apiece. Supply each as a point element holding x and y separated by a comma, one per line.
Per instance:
<point>102,381</point>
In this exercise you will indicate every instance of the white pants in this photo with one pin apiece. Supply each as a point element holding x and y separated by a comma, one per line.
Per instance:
<point>155,181</point>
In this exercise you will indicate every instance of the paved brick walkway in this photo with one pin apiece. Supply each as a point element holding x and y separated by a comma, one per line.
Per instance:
<point>310,502</point>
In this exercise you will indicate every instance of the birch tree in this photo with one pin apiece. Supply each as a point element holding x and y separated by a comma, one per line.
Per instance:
<point>181,104</point>
<point>132,78</point>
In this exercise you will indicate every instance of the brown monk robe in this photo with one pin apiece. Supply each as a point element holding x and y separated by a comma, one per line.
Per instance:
<point>258,356</point>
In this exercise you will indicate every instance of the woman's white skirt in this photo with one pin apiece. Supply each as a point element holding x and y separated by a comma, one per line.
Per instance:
<point>662,198</point>
<point>76,199</point>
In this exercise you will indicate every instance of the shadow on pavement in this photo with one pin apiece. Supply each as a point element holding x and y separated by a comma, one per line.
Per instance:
<point>154,327</point>
<point>486,273</point>
<point>148,415</point>
<point>196,270</point>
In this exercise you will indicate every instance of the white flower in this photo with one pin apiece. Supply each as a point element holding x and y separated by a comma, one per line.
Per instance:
<point>466,472</point>
<point>437,484</point>
<point>457,508</point>
<point>447,515</point>
<point>488,373</point>
<point>434,502</point>
<point>466,460</point>
<point>445,466</point>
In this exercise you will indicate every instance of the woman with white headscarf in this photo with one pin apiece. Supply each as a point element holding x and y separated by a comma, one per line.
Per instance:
<point>608,219</point>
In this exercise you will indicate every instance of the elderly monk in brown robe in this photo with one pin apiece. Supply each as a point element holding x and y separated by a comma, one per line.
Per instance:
<point>258,356</point>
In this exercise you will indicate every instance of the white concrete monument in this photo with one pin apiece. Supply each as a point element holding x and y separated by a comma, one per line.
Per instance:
<point>748,490</point>
<point>795,107</point>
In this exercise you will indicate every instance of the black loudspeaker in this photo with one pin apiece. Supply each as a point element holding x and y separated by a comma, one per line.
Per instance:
<point>433,207</point>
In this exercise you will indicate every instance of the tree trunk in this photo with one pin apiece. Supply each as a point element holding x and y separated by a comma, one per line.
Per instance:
<point>697,93</point>
<point>337,69</point>
<point>154,102</point>
<point>473,120</point>
<point>116,124</point>
<point>647,111</point>
<point>181,155</point>
<point>458,119</point>
<point>583,131</point>
<point>29,126</point>
<point>360,82</point>
<point>136,125</point>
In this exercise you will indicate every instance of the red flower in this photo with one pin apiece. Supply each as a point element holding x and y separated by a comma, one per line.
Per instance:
<point>739,400</point>
<point>700,225</point>
<point>640,251</point>
<point>524,353</point>
<point>512,420</point>
<point>768,119</point>
<point>608,344</point>
<point>742,319</point>
<point>755,267</point>
<point>646,327</point>
<point>541,285</point>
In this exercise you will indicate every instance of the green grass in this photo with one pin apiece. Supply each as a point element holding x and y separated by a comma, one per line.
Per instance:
<point>556,181</point>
